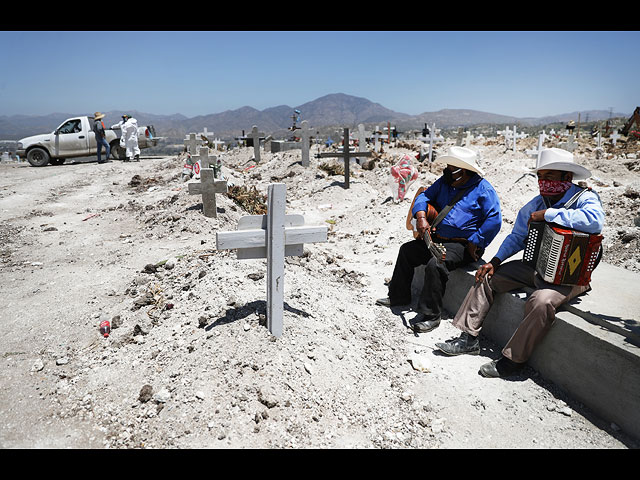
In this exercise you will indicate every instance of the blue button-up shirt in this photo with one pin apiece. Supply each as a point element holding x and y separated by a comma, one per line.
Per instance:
<point>585,215</point>
<point>476,216</point>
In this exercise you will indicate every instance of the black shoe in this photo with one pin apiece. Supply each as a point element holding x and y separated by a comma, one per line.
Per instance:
<point>423,326</point>
<point>504,367</point>
<point>465,343</point>
<point>385,302</point>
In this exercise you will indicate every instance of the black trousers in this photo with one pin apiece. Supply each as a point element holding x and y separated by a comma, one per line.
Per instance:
<point>436,274</point>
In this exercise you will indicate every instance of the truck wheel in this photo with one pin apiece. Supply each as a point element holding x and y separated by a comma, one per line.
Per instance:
<point>56,161</point>
<point>117,152</point>
<point>38,157</point>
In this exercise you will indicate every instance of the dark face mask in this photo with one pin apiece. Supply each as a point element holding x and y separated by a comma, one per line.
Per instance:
<point>450,177</point>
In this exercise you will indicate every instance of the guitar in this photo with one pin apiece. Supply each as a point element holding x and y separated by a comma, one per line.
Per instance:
<point>438,250</point>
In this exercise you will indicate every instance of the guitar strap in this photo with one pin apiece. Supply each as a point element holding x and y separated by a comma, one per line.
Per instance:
<point>443,213</point>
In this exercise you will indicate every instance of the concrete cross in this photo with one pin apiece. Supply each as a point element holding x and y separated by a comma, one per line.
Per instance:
<point>569,145</point>
<point>459,137</point>
<point>305,138</point>
<point>255,135</point>
<point>203,157</point>
<point>362,140</point>
<point>272,236</point>
<point>377,135</point>
<point>208,187</point>
<point>192,143</point>
<point>467,140</point>
<point>431,134</point>
<point>346,154</point>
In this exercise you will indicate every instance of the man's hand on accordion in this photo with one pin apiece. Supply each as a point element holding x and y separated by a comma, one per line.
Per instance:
<point>537,216</point>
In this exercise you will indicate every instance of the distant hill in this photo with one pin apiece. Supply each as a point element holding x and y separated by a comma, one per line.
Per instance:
<point>336,109</point>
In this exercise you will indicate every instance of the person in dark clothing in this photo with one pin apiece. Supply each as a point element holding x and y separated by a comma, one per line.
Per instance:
<point>98,130</point>
<point>465,231</point>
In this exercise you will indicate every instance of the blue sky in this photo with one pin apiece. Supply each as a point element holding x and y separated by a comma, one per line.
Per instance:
<point>194,73</point>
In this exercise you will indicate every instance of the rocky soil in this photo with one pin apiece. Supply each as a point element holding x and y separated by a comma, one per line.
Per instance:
<point>189,362</point>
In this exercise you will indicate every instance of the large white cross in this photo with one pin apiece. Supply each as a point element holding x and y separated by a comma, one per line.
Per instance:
<point>274,236</point>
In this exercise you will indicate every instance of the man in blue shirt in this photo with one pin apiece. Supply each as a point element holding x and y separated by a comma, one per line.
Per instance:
<point>471,224</point>
<point>556,170</point>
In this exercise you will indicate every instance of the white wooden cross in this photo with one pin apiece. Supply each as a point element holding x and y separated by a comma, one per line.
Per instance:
<point>346,154</point>
<point>255,135</point>
<point>614,138</point>
<point>206,133</point>
<point>536,153</point>
<point>305,138</point>
<point>272,236</point>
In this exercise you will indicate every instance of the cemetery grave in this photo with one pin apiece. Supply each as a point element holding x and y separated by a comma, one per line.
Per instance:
<point>191,361</point>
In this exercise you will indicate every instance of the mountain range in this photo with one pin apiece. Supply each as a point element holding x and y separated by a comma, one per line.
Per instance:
<point>333,110</point>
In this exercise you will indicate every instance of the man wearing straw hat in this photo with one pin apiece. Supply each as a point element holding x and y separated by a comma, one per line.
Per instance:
<point>98,129</point>
<point>555,170</point>
<point>470,225</point>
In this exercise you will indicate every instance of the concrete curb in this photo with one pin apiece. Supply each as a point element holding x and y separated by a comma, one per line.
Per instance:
<point>592,350</point>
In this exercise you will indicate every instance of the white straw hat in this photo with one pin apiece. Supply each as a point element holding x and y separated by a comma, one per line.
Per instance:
<point>559,159</point>
<point>462,157</point>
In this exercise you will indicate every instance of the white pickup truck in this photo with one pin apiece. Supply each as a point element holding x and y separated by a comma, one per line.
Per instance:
<point>75,138</point>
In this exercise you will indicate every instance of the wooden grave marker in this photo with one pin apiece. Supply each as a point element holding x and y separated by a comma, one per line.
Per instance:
<point>346,154</point>
<point>272,236</point>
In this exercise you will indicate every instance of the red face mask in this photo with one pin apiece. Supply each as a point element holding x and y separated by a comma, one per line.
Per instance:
<point>550,188</point>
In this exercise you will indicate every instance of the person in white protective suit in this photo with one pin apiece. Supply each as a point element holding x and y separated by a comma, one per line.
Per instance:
<point>130,134</point>
<point>120,126</point>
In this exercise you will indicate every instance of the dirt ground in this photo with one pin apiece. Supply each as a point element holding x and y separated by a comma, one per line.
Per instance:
<point>189,362</point>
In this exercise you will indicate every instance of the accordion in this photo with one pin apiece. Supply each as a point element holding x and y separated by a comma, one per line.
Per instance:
<point>562,256</point>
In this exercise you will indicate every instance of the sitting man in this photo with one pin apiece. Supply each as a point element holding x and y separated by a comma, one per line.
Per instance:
<point>555,170</point>
<point>465,231</point>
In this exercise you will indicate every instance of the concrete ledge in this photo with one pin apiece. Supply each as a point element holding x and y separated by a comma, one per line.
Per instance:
<point>593,349</point>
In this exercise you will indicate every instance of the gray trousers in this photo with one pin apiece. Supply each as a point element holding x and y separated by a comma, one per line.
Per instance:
<point>539,311</point>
